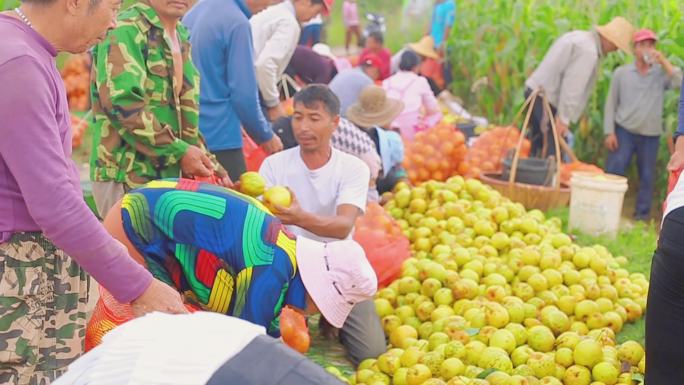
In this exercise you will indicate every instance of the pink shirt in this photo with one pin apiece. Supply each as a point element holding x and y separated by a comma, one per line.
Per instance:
<point>420,105</point>
<point>39,185</point>
<point>350,14</point>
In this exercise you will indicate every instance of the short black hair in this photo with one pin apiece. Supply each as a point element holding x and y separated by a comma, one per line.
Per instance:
<point>409,60</point>
<point>314,94</point>
<point>377,36</point>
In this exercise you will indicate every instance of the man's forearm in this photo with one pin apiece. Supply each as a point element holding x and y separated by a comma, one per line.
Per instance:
<point>337,227</point>
<point>668,67</point>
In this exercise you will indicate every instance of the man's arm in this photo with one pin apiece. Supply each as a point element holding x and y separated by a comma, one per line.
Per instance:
<point>338,226</point>
<point>576,79</point>
<point>243,84</point>
<point>32,149</point>
<point>120,76</point>
<point>278,49</point>
<point>677,159</point>
<point>351,202</point>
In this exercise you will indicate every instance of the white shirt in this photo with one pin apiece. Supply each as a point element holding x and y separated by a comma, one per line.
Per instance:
<point>343,180</point>
<point>568,73</point>
<point>275,32</point>
<point>163,349</point>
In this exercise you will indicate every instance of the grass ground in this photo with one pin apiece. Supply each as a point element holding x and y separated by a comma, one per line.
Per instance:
<point>636,241</point>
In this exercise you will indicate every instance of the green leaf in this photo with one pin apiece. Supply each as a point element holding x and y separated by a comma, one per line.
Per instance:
<point>472,331</point>
<point>638,377</point>
<point>486,373</point>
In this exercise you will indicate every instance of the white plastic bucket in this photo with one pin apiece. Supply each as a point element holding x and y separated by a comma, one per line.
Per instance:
<point>596,202</point>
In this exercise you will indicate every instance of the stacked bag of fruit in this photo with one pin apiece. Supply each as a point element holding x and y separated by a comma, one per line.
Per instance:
<point>76,77</point>
<point>495,294</point>
<point>434,154</point>
<point>383,241</point>
<point>490,149</point>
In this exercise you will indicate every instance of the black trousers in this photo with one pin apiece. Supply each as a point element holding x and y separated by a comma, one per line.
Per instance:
<point>540,122</point>
<point>233,161</point>
<point>665,311</point>
<point>267,361</point>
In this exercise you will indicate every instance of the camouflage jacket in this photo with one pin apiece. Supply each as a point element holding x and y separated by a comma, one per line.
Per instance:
<point>141,127</point>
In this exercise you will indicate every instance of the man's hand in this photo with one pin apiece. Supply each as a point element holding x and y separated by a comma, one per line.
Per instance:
<point>275,113</point>
<point>158,297</point>
<point>676,161</point>
<point>658,56</point>
<point>196,163</point>
<point>561,127</point>
<point>611,142</point>
<point>272,146</point>
<point>290,215</point>
<point>223,179</point>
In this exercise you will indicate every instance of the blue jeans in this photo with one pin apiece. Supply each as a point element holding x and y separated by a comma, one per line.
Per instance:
<point>311,35</point>
<point>646,150</point>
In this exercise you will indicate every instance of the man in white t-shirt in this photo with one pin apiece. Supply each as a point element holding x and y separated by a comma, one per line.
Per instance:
<point>329,191</point>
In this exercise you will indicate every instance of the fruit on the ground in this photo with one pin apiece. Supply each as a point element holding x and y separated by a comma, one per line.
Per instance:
<point>605,372</point>
<point>252,184</point>
<point>588,353</point>
<point>277,196</point>
<point>631,352</point>
<point>490,285</point>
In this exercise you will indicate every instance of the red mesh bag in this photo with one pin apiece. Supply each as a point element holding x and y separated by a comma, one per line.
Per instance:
<point>383,241</point>
<point>254,155</point>
<point>107,315</point>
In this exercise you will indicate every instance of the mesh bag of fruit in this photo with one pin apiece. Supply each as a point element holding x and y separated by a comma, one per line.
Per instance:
<point>383,241</point>
<point>490,149</point>
<point>107,315</point>
<point>434,154</point>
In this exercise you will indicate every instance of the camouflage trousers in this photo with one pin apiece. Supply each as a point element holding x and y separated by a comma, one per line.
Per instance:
<point>43,297</point>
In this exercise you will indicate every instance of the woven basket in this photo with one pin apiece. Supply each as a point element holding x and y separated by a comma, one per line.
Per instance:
<point>533,196</point>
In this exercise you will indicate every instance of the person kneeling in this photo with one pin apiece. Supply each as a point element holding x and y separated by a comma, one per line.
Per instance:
<point>226,253</point>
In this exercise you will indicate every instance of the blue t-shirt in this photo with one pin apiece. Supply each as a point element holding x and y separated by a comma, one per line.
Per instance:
<point>347,85</point>
<point>443,17</point>
<point>223,250</point>
<point>222,51</point>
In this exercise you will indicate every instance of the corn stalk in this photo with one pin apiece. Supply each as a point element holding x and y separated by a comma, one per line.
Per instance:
<point>504,40</point>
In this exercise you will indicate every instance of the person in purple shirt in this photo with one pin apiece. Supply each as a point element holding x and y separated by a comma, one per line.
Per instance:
<point>49,238</point>
<point>677,160</point>
<point>308,67</point>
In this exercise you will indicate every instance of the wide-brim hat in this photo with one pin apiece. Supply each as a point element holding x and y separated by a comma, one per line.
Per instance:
<point>374,108</point>
<point>425,47</point>
<point>618,31</point>
<point>337,276</point>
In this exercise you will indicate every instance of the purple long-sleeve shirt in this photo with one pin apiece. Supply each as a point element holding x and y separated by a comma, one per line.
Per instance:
<point>39,183</point>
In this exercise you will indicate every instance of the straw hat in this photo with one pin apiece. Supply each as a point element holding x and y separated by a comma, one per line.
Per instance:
<point>618,31</point>
<point>374,108</point>
<point>425,47</point>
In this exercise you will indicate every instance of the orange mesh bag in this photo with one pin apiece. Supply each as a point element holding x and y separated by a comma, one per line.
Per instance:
<point>107,315</point>
<point>294,330</point>
<point>434,154</point>
<point>568,168</point>
<point>383,241</point>
<point>489,150</point>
